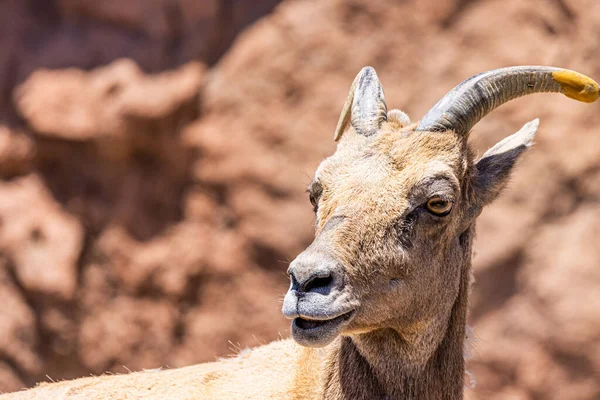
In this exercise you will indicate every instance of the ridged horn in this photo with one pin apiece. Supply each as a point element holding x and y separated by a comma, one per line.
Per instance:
<point>470,101</point>
<point>365,106</point>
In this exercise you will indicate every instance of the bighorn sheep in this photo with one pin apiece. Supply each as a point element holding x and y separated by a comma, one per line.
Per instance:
<point>379,300</point>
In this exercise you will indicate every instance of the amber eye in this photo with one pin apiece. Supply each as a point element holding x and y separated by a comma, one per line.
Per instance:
<point>439,206</point>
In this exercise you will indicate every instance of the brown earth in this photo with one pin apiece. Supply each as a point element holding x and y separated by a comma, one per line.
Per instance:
<point>147,219</point>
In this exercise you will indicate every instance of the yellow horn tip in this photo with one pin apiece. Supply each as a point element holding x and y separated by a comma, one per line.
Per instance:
<point>577,86</point>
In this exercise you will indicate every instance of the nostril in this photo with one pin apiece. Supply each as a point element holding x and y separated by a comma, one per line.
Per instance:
<point>295,283</point>
<point>318,282</point>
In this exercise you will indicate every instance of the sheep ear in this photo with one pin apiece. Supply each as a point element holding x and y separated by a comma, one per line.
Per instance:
<point>365,106</point>
<point>493,169</point>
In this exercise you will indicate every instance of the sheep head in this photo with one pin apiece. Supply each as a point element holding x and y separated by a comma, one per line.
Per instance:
<point>395,209</point>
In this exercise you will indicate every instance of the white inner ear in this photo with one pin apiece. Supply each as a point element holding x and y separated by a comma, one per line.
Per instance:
<point>524,137</point>
<point>399,116</point>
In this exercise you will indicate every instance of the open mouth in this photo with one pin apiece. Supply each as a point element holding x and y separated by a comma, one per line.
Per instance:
<point>313,324</point>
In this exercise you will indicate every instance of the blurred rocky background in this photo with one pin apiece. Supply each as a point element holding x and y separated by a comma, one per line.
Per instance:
<point>154,156</point>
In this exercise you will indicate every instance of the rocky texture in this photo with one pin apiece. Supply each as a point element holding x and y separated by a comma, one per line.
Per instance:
<point>108,103</point>
<point>147,219</point>
<point>17,152</point>
<point>34,231</point>
<point>19,336</point>
<point>158,34</point>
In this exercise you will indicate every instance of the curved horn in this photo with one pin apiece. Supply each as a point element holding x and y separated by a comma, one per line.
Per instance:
<point>365,106</point>
<point>474,98</point>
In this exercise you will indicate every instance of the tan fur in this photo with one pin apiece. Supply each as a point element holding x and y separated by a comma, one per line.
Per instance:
<point>279,370</point>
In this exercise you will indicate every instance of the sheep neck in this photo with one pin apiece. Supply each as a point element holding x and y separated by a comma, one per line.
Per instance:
<point>376,365</point>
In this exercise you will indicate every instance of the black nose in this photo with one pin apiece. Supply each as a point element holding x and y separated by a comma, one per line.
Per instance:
<point>312,283</point>
<point>312,274</point>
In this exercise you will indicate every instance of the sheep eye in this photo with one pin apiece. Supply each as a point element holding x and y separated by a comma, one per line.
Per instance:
<point>314,194</point>
<point>314,201</point>
<point>439,206</point>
